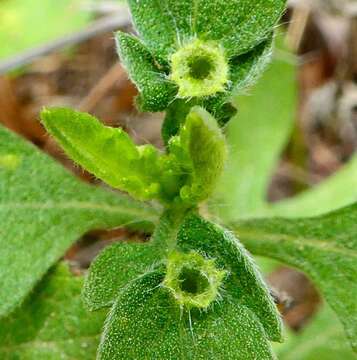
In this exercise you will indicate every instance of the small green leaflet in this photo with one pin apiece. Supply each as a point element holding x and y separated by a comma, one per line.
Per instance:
<point>201,149</point>
<point>43,211</point>
<point>156,92</point>
<point>108,153</point>
<point>146,323</point>
<point>52,323</point>
<point>323,247</point>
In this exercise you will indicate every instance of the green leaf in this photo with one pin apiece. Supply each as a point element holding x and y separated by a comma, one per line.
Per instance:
<point>245,284</point>
<point>22,22</point>
<point>247,68</point>
<point>43,211</point>
<point>121,263</point>
<point>324,247</point>
<point>113,268</point>
<point>239,25</point>
<point>108,153</point>
<point>156,91</point>
<point>256,138</point>
<point>322,339</point>
<point>52,324</point>
<point>201,149</point>
<point>146,323</point>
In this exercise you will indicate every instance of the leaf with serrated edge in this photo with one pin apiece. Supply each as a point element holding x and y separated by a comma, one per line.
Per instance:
<point>156,91</point>
<point>43,211</point>
<point>245,284</point>
<point>52,324</point>
<point>238,24</point>
<point>324,247</point>
<point>146,323</point>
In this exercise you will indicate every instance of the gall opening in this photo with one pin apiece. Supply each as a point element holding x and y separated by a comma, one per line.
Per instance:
<point>192,281</point>
<point>200,67</point>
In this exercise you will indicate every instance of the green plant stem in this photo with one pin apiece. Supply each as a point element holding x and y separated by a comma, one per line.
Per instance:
<point>165,234</point>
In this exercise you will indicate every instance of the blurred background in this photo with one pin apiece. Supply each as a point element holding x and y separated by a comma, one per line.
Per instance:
<point>303,111</point>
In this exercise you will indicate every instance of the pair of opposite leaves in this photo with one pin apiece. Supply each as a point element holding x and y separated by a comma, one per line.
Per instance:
<point>244,318</point>
<point>186,174</point>
<point>240,29</point>
<point>145,320</point>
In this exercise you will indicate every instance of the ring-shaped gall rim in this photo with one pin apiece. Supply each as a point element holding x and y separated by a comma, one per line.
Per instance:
<point>199,69</point>
<point>193,280</point>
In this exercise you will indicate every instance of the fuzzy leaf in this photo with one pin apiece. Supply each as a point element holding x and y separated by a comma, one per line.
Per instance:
<point>245,284</point>
<point>121,263</point>
<point>201,148</point>
<point>52,324</point>
<point>43,211</point>
<point>247,68</point>
<point>146,323</point>
<point>113,268</point>
<point>106,152</point>
<point>156,91</point>
<point>238,24</point>
<point>324,247</point>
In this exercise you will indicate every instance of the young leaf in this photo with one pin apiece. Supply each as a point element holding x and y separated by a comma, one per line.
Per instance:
<point>147,323</point>
<point>43,211</point>
<point>201,148</point>
<point>324,247</point>
<point>52,323</point>
<point>106,152</point>
<point>156,91</point>
<point>239,25</point>
<point>245,285</point>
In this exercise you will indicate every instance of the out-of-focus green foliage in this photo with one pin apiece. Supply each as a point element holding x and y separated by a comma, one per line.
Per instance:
<point>322,339</point>
<point>52,324</point>
<point>27,23</point>
<point>256,137</point>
